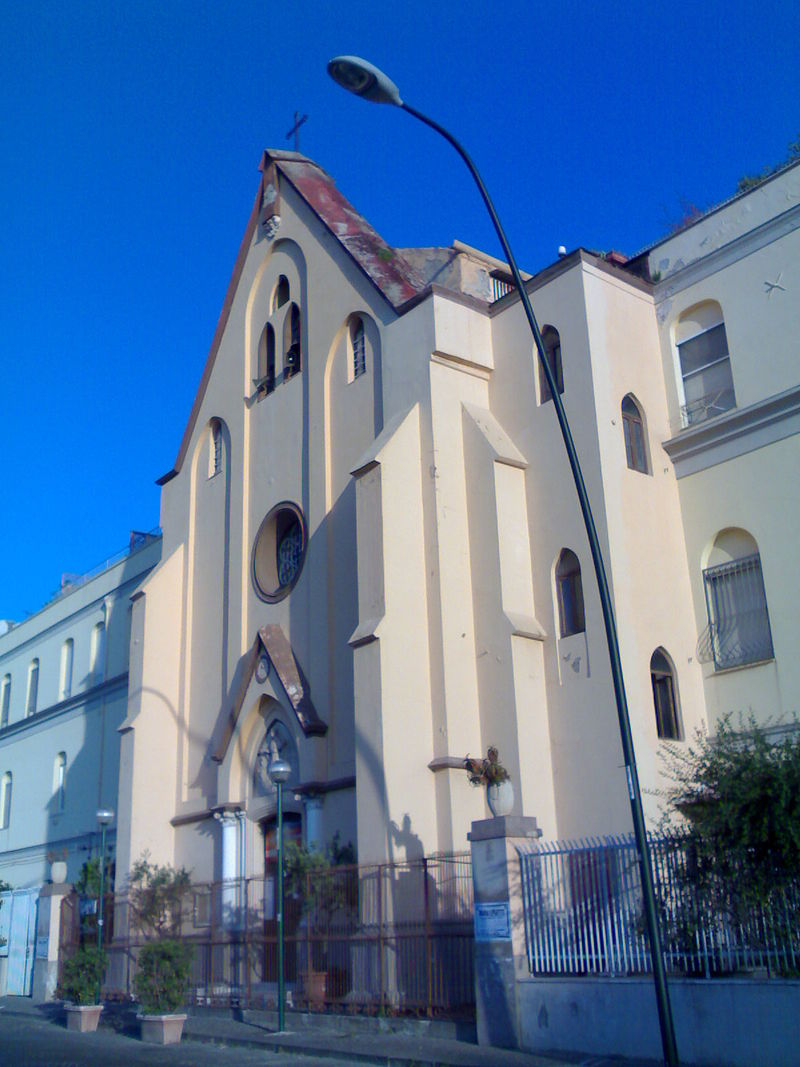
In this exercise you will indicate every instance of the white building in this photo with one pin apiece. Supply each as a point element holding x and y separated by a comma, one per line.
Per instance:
<point>373,557</point>
<point>63,696</point>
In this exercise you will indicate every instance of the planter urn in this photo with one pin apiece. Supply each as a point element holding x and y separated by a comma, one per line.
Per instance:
<point>500,797</point>
<point>83,1018</point>
<point>58,872</point>
<point>161,1029</point>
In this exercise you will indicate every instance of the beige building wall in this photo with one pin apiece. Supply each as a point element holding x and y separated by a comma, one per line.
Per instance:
<point>436,499</point>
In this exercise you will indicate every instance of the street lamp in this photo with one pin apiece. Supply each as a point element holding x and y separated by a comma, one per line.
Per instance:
<point>104,817</point>
<point>365,80</point>
<point>279,772</point>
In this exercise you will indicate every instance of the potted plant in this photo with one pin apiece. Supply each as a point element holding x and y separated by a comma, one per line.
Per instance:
<point>156,895</point>
<point>80,983</point>
<point>322,891</point>
<point>491,773</point>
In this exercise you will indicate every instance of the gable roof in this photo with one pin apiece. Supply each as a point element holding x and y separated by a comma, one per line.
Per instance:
<point>393,276</point>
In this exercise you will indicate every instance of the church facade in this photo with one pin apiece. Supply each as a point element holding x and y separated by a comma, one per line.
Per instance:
<point>373,559</point>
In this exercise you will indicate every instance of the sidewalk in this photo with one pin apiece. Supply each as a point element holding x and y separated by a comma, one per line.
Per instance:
<point>394,1043</point>
<point>314,1039</point>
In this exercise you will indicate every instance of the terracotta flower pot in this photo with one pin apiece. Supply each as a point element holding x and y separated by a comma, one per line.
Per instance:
<point>161,1029</point>
<point>83,1017</point>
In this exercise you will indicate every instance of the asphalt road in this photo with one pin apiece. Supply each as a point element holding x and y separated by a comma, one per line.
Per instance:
<point>34,1040</point>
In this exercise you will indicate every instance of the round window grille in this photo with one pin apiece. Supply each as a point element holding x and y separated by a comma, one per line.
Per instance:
<point>278,552</point>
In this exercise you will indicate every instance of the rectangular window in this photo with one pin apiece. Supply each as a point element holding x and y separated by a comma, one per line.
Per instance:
<point>737,613</point>
<point>707,379</point>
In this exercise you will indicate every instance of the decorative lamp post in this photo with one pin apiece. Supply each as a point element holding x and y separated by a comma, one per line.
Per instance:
<point>367,81</point>
<point>104,817</point>
<point>279,772</point>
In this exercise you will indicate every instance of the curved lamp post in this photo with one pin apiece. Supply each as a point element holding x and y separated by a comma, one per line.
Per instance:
<point>279,772</point>
<point>104,817</point>
<point>365,80</point>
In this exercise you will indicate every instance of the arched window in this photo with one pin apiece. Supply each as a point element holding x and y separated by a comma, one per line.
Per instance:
<point>736,602</point>
<point>65,679</point>
<point>266,360</point>
<point>33,688</point>
<point>705,363</point>
<point>5,701</point>
<point>59,781</point>
<point>633,429</point>
<point>97,663</point>
<point>358,346</point>
<point>570,594</point>
<point>552,350</point>
<point>281,294</point>
<point>292,345</point>
<point>5,801</point>
<point>665,697</point>
<point>215,449</point>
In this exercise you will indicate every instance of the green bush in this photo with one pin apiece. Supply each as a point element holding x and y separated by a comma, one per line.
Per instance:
<point>83,974</point>
<point>162,975</point>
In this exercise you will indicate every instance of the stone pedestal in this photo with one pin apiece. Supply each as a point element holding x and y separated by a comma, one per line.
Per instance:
<point>48,933</point>
<point>500,956</point>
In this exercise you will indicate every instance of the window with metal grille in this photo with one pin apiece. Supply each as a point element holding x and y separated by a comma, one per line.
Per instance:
<point>665,697</point>
<point>738,620</point>
<point>633,430</point>
<point>552,351</point>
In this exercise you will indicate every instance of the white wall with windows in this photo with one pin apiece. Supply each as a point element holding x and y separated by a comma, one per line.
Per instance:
<point>63,694</point>
<point>727,308</point>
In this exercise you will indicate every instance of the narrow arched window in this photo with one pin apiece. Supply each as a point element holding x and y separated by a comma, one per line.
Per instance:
<point>59,781</point>
<point>358,346</point>
<point>5,801</point>
<point>97,663</point>
<point>705,363</point>
<point>569,590</point>
<point>665,697</point>
<point>633,429</point>
<point>736,602</point>
<point>65,679</point>
<point>266,360</point>
<point>292,345</point>
<point>552,351</point>
<point>215,449</point>
<point>33,688</point>
<point>5,701</point>
<point>281,294</point>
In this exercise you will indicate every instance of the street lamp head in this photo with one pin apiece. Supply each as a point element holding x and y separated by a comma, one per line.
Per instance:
<point>105,816</point>
<point>279,771</point>
<point>365,80</point>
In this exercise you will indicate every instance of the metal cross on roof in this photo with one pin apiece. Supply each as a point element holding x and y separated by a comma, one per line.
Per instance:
<point>295,130</point>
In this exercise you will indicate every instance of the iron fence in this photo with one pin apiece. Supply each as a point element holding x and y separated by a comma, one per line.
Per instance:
<point>583,914</point>
<point>380,938</point>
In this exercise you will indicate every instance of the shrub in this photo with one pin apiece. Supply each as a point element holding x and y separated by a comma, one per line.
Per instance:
<point>83,974</point>
<point>156,895</point>
<point>162,975</point>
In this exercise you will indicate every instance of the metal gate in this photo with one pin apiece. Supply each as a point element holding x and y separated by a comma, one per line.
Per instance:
<point>22,905</point>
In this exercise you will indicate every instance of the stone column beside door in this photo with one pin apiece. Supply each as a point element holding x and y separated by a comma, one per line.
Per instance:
<point>48,937</point>
<point>500,954</point>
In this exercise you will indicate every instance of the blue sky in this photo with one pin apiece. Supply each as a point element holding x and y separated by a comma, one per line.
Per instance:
<point>131,138</point>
